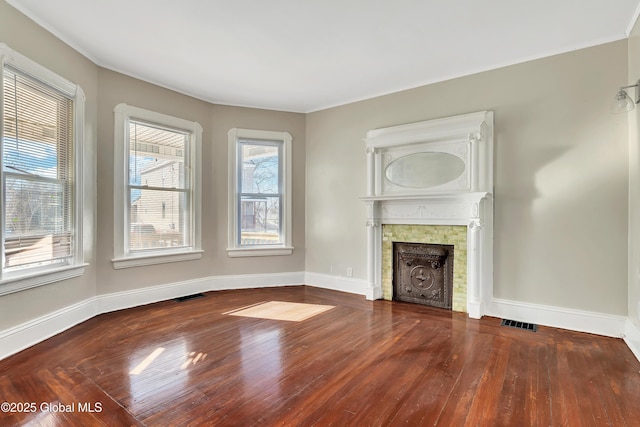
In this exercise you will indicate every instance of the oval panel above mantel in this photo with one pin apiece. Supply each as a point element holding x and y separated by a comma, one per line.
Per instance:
<point>424,170</point>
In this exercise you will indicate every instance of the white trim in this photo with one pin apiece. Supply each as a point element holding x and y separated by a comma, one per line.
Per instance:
<point>286,248</point>
<point>38,276</point>
<point>466,200</point>
<point>258,251</point>
<point>249,281</point>
<point>336,283</point>
<point>25,335</point>
<point>632,338</point>
<point>149,295</point>
<point>20,283</point>
<point>127,299</point>
<point>136,297</point>
<point>141,260</point>
<point>37,71</point>
<point>559,317</point>
<point>123,259</point>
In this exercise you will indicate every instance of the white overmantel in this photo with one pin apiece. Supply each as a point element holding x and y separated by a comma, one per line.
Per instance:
<point>437,172</point>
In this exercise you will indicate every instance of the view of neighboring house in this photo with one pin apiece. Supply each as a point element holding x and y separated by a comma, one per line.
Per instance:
<point>157,213</point>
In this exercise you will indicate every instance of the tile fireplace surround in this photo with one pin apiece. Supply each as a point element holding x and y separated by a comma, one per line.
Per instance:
<point>455,235</point>
<point>434,173</point>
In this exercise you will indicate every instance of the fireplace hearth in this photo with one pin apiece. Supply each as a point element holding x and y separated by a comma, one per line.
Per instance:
<point>423,274</point>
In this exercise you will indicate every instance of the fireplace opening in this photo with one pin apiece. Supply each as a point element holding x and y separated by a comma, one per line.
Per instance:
<point>423,273</point>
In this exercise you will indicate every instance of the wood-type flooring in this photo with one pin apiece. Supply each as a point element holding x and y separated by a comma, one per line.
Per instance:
<point>357,363</point>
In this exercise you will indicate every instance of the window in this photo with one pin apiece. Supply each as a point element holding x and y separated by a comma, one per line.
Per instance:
<point>259,193</point>
<point>157,182</point>
<point>41,138</point>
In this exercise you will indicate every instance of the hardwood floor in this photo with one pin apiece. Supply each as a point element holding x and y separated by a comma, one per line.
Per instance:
<point>359,363</point>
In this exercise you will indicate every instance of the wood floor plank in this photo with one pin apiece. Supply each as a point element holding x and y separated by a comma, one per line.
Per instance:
<point>360,363</point>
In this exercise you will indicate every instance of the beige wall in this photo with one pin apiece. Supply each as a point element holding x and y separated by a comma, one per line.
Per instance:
<point>634,181</point>
<point>115,88</point>
<point>22,35</point>
<point>560,176</point>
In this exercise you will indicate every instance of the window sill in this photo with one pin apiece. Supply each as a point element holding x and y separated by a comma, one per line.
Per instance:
<point>151,259</point>
<point>269,251</point>
<point>27,281</point>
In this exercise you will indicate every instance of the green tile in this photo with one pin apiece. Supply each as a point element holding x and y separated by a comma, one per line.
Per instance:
<point>455,235</point>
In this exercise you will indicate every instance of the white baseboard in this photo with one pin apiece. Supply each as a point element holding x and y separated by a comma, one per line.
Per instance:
<point>632,338</point>
<point>127,299</point>
<point>136,297</point>
<point>248,281</point>
<point>19,337</point>
<point>558,317</point>
<point>336,283</point>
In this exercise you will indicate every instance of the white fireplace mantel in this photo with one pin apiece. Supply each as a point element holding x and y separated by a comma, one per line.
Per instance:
<point>437,172</point>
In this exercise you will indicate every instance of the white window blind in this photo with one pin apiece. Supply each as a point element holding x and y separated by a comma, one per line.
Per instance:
<point>37,173</point>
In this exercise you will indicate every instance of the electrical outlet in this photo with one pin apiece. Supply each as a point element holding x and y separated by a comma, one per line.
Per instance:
<point>349,272</point>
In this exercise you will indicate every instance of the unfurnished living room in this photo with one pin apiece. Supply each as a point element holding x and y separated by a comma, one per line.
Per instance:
<point>304,213</point>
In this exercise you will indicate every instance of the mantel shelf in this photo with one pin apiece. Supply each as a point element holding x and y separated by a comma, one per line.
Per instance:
<point>472,196</point>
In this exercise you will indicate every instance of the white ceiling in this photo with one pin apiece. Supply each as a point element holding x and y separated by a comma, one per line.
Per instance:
<point>306,55</point>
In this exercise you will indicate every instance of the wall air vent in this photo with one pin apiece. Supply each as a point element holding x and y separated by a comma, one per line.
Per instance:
<point>188,297</point>
<point>519,325</point>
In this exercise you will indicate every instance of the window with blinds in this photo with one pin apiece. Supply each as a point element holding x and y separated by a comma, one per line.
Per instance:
<point>37,173</point>
<point>158,187</point>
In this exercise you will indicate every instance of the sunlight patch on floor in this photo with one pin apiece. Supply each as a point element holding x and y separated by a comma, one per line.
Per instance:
<point>280,310</point>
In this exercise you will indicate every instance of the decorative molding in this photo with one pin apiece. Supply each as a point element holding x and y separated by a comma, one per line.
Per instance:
<point>468,136</point>
<point>475,224</point>
<point>559,317</point>
<point>464,200</point>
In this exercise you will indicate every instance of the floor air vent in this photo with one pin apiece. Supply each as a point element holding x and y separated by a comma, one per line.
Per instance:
<point>188,297</point>
<point>519,325</point>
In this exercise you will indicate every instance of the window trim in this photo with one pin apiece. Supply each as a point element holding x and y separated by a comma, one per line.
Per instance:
<point>122,259</point>
<point>33,277</point>
<point>285,248</point>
